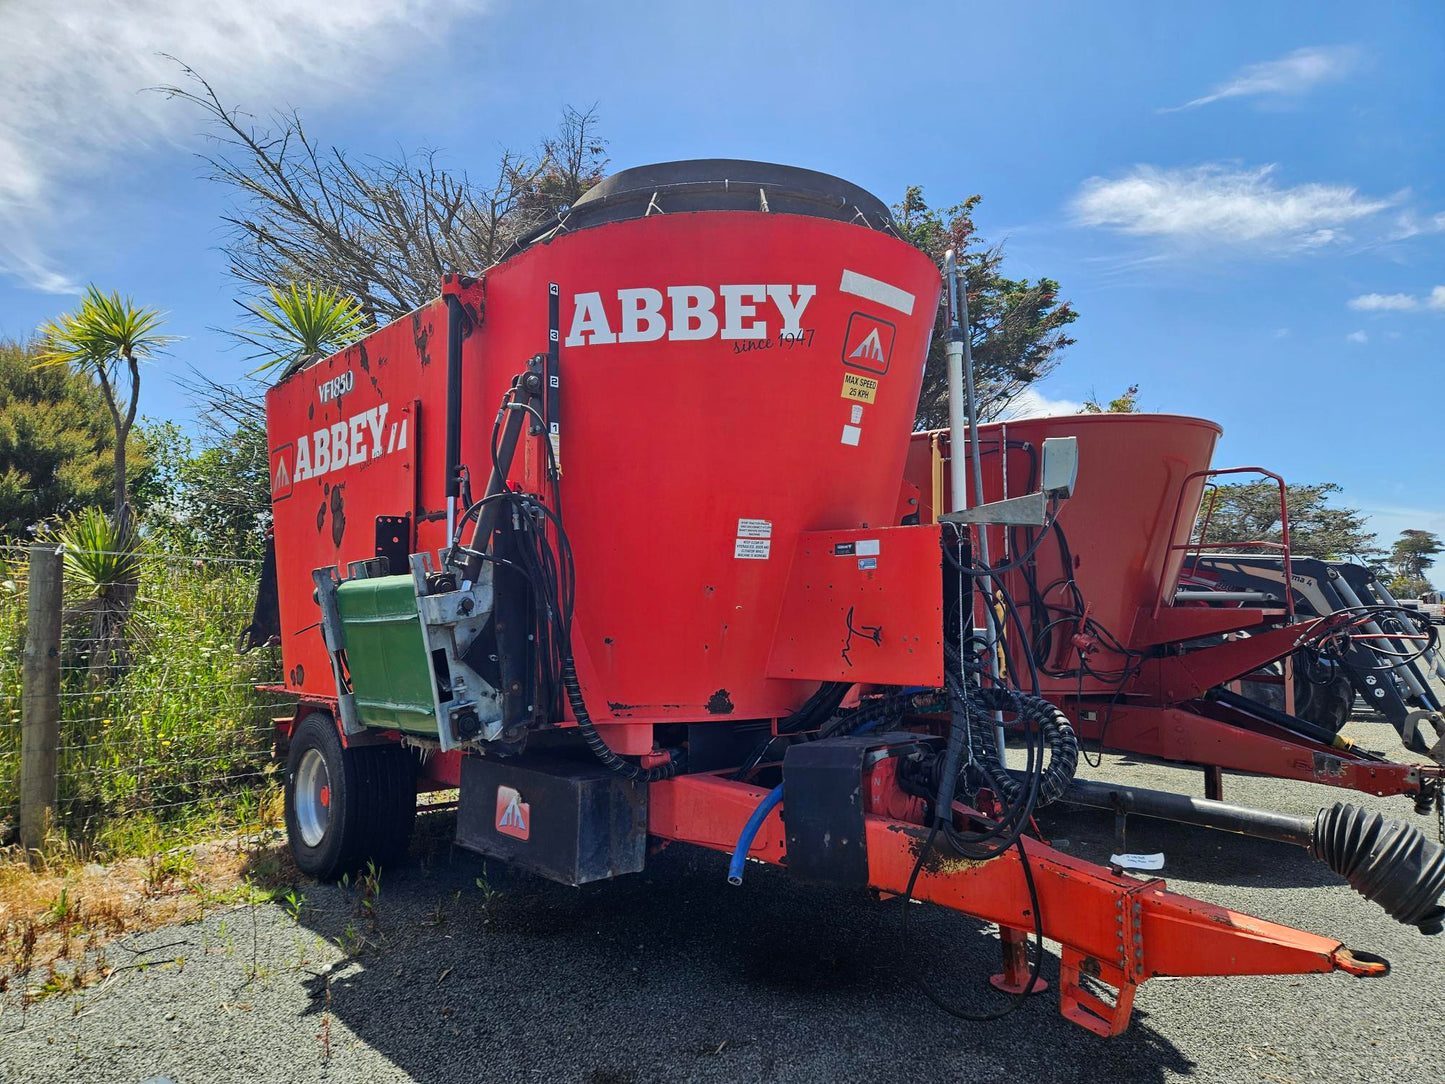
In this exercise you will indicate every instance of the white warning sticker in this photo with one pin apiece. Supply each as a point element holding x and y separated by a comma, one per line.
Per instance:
<point>856,414</point>
<point>755,528</point>
<point>867,547</point>
<point>851,433</point>
<point>752,549</point>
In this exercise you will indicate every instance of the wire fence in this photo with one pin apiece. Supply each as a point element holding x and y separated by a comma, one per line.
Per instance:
<point>161,725</point>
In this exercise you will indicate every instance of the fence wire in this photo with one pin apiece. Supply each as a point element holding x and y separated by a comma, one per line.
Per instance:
<point>161,724</point>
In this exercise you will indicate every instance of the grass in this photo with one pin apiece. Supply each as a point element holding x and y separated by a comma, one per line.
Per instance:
<point>179,746</point>
<point>174,747</point>
<point>57,917</point>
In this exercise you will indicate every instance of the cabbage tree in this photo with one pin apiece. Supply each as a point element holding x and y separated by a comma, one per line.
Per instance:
<point>107,337</point>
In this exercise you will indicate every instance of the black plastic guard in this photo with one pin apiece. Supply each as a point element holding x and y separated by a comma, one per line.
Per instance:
<point>823,803</point>
<point>265,626</point>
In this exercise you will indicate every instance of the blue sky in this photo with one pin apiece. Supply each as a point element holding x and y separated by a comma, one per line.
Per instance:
<point>1245,202</point>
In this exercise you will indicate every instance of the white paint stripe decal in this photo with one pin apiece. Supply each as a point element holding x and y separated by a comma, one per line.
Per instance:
<point>874,290</point>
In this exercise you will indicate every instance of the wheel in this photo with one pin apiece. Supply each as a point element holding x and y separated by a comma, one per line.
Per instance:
<point>345,807</point>
<point>1328,703</point>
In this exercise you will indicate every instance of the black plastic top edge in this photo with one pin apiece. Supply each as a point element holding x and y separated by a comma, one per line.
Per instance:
<point>717,184</point>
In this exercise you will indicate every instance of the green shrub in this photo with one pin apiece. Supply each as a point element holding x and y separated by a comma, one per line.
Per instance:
<point>177,742</point>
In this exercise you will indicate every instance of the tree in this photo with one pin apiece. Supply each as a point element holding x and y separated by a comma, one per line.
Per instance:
<point>215,501</point>
<point>1126,403</point>
<point>228,487</point>
<point>1249,512</point>
<point>107,338</point>
<point>381,230</point>
<point>56,443</point>
<point>1016,327</point>
<point>1412,551</point>
<point>295,325</point>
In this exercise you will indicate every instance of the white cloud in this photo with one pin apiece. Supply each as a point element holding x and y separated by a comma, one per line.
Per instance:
<point>1216,204</point>
<point>1357,337</point>
<point>1435,299</point>
<point>1281,333</point>
<point>1032,404</point>
<point>1383,302</point>
<point>1409,223</point>
<point>1289,76</point>
<point>75,105</point>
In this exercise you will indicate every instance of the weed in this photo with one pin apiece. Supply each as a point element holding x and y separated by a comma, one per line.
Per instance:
<point>490,896</point>
<point>22,948</point>
<point>302,956</point>
<point>437,916</point>
<point>62,910</point>
<point>325,1033</point>
<point>163,870</point>
<point>350,941</point>
<point>293,902</point>
<point>369,884</point>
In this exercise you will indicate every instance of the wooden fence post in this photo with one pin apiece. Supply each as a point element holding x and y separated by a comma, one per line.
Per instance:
<point>40,704</point>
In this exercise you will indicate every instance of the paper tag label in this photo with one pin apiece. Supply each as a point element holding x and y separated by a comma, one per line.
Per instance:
<point>867,562</point>
<point>755,528</point>
<point>752,549</point>
<point>1138,861</point>
<point>851,433</point>
<point>867,547</point>
<point>856,414</point>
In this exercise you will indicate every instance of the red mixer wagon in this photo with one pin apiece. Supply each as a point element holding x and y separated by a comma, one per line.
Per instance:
<point>610,537</point>
<point>1140,663</point>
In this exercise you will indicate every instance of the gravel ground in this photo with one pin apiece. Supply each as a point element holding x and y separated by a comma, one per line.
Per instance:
<point>673,975</point>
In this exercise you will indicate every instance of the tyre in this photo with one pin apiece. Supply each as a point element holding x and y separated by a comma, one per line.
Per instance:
<point>345,807</point>
<point>1328,703</point>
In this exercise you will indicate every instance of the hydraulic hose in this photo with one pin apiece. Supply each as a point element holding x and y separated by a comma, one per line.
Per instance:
<point>1033,711</point>
<point>750,830</point>
<point>600,749</point>
<point>1393,863</point>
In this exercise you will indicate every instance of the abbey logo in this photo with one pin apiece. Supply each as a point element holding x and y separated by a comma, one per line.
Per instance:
<point>514,816</point>
<point>281,472</point>
<point>355,440</point>
<point>731,311</point>
<point>868,345</point>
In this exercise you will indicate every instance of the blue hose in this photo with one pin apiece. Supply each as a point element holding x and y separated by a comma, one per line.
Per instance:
<point>745,839</point>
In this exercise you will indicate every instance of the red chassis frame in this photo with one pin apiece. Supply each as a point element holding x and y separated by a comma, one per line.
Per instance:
<point>1116,930</point>
<point>1188,733</point>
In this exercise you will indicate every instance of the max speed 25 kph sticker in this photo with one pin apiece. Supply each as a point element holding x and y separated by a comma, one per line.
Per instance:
<point>858,388</point>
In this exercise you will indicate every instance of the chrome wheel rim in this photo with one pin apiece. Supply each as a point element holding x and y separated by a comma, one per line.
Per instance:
<point>311,796</point>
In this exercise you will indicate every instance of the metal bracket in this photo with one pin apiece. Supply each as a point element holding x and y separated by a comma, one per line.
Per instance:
<point>1030,510</point>
<point>334,637</point>
<point>468,709</point>
<point>1124,973</point>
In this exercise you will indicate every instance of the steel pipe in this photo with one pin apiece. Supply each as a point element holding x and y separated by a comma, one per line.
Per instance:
<point>1221,816</point>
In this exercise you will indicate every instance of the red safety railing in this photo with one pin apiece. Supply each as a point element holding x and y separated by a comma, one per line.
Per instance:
<point>1198,545</point>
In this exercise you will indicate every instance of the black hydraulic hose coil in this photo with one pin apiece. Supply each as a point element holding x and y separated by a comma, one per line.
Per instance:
<point>1387,861</point>
<point>600,749</point>
<point>1058,734</point>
